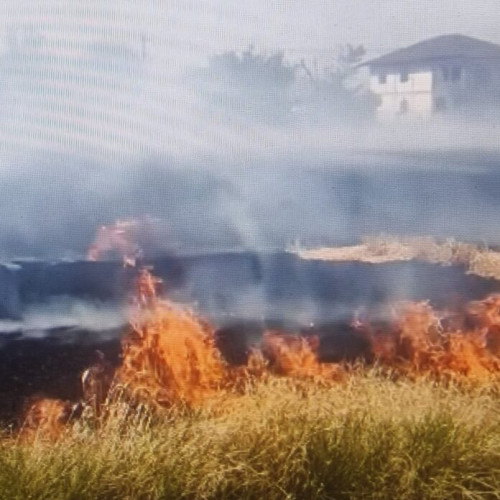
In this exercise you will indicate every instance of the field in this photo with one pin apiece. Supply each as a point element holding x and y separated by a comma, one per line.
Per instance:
<point>480,261</point>
<point>417,417</point>
<point>372,435</point>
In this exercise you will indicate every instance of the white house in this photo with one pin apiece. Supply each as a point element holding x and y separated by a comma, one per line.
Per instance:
<point>446,74</point>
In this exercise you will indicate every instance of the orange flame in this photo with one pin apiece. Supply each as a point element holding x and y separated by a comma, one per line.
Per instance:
<point>420,343</point>
<point>296,357</point>
<point>45,419</point>
<point>119,237</point>
<point>169,355</point>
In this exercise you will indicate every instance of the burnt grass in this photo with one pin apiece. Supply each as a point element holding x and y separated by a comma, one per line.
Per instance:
<point>46,367</point>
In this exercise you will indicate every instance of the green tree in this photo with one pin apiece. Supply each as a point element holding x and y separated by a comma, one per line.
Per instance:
<point>255,85</point>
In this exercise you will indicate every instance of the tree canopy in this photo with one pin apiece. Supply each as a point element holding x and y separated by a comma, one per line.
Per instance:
<point>267,87</point>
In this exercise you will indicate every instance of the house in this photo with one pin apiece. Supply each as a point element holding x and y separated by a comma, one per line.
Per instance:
<point>445,74</point>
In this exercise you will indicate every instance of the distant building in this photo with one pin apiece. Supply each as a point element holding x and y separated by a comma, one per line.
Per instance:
<point>441,75</point>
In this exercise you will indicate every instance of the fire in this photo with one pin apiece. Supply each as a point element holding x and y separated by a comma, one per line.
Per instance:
<point>169,355</point>
<point>119,237</point>
<point>296,357</point>
<point>419,343</point>
<point>45,419</point>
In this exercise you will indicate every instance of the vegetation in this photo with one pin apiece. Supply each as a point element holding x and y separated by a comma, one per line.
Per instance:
<point>481,261</point>
<point>269,89</point>
<point>370,436</point>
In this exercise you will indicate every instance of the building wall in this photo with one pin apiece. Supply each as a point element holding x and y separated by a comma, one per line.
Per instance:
<point>441,87</point>
<point>454,86</point>
<point>405,95</point>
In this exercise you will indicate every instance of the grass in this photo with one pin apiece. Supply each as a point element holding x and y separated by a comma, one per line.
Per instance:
<point>368,437</point>
<point>477,260</point>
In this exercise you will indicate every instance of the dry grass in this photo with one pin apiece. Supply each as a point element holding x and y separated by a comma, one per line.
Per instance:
<point>477,260</point>
<point>371,436</point>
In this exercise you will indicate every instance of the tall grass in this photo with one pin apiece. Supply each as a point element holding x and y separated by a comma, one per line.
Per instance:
<point>369,437</point>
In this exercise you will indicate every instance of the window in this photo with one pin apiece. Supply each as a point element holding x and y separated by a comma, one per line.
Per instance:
<point>403,107</point>
<point>456,73</point>
<point>445,73</point>
<point>440,104</point>
<point>404,77</point>
<point>382,79</point>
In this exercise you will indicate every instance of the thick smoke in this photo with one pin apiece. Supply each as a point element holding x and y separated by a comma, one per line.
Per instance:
<point>243,150</point>
<point>51,209</point>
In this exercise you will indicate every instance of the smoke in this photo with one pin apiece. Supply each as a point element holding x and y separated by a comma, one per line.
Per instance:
<point>114,116</point>
<point>108,117</point>
<point>52,207</point>
<point>68,313</point>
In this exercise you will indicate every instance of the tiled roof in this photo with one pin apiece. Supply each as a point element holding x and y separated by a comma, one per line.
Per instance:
<point>450,46</point>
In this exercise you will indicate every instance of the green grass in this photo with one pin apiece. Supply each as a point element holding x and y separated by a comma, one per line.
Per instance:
<point>369,437</point>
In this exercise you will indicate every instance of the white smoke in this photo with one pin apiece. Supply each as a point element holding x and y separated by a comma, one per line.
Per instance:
<point>103,117</point>
<point>60,312</point>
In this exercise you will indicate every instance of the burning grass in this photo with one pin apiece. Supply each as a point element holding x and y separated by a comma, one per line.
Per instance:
<point>174,420</point>
<point>368,437</point>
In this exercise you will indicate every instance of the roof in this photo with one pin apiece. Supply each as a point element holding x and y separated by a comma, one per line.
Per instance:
<point>449,46</point>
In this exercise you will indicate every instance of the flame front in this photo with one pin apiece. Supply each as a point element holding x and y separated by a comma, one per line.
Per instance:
<point>169,355</point>
<point>422,342</point>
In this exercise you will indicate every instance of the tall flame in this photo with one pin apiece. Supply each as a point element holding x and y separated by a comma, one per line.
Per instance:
<point>169,355</point>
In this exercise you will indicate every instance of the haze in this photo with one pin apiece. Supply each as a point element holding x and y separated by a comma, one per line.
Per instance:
<point>105,115</point>
<point>135,108</point>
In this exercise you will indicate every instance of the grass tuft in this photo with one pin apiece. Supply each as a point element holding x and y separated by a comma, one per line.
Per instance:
<point>368,437</point>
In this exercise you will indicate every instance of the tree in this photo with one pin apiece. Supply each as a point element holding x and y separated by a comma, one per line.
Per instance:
<point>255,85</point>
<point>335,93</point>
<point>252,69</point>
<point>269,89</point>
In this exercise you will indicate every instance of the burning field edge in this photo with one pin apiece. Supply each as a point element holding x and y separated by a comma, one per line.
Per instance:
<point>416,416</point>
<point>371,436</point>
<point>480,261</point>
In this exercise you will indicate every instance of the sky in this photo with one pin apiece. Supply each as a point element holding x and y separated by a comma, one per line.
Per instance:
<point>196,28</point>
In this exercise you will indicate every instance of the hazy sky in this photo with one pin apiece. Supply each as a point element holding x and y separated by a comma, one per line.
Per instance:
<point>65,84</point>
<point>200,27</point>
<point>99,79</point>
